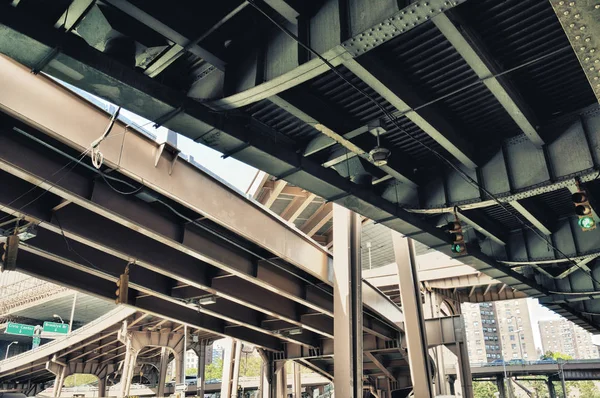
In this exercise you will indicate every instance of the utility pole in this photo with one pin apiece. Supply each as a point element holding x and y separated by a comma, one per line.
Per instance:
<point>72,312</point>
<point>561,366</point>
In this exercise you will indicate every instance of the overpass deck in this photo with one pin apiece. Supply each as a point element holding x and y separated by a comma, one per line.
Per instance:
<point>184,234</point>
<point>588,369</point>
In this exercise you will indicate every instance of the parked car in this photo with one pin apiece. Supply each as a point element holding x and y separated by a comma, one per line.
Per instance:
<point>516,362</point>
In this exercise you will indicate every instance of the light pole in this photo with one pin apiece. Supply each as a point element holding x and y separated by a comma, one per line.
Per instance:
<point>8,348</point>
<point>518,336</point>
<point>58,316</point>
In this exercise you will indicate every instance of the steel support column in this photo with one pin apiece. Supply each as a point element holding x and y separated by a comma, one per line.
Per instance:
<point>201,352</point>
<point>162,372</point>
<point>296,381</point>
<point>416,338</point>
<point>501,386</point>
<point>280,380</point>
<point>464,367</point>
<point>236,369</point>
<point>347,303</point>
<point>102,387</point>
<point>551,389</point>
<point>432,310</point>
<point>231,368</point>
<point>127,371</point>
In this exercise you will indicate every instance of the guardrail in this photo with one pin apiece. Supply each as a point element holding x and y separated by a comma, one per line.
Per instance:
<point>532,363</point>
<point>83,331</point>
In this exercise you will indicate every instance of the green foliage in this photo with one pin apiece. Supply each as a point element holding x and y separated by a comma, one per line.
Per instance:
<point>191,371</point>
<point>556,356</point>
<point>587,389</point>
<point>539,387</point>
<point>484,389</point>
<point>214,370</point>
<point>80,380</point>
<point>250,366</point>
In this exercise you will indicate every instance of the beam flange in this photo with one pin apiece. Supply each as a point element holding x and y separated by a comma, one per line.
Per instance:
<point>166,31</point>
<point>404,98</point>
<point>532,213</point>
<point>335,125</point>
<point>467,50</point>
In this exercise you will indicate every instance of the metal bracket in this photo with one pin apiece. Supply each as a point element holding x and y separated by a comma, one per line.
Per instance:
<point>170,148</point>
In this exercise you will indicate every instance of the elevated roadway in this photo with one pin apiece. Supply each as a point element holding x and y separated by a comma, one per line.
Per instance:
<point>309,381</point>
<point>261,98</point>
<point>180,230</point>
<point>572,369</point>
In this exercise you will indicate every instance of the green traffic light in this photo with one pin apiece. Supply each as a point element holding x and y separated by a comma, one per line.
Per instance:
<point>586,222</point>
<point>457,248</point>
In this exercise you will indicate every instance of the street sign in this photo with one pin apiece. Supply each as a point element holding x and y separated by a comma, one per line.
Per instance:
<point>19,329</point>
<point>55,328</point>
<point>181,387</point>
<point>36,342</point>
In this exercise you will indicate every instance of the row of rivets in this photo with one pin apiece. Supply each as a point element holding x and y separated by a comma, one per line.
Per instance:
<point>593,65</point>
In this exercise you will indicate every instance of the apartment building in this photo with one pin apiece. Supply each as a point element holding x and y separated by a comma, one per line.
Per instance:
<point>499,330</point>
<point>563,336</point>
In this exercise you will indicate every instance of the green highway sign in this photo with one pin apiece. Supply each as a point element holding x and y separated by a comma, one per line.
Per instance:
<point>19,329</point>
<point>36,342</point>
<point>55,328</point>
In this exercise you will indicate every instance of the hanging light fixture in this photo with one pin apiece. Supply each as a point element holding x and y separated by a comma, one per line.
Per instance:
<point>379,155</point>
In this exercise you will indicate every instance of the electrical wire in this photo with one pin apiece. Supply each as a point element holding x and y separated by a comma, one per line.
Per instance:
<point>170,208</point>
<point>52,185</point>
<point>441,157</point>
<point>72,250</point>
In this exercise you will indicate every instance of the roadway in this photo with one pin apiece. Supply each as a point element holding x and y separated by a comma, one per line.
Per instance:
<point>588,369</point>
<point>309,380</point>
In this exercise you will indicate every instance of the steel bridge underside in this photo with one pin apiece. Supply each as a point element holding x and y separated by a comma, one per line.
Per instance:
<point>492,86</point>
<point>180,232</point>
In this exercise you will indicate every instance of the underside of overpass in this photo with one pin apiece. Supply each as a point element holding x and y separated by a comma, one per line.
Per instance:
<point>483,104</point>
<point>487,110</point>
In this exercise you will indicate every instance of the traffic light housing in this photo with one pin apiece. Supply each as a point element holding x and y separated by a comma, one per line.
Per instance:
<point>8,253</point>
<point>122,288</point>
<point>584,211</point>
<point>457,236</point>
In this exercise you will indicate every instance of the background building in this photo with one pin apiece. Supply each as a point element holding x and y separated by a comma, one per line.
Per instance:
<point>515,328</point>
<point>567,338</point>
<point>499,330</point>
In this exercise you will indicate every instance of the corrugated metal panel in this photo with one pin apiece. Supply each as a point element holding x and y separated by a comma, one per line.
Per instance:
<point>559,202</point>
<point>430,62</point>
<point>309,211</point>
<point>279,205</point>
<point>282,121</point>
<point>332,88</point>
<point>507,216</point>
<point>518,31</point>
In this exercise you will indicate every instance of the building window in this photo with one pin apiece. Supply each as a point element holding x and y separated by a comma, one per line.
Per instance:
<point>513,346</point>
<point>512,337</point>
<point>476,324</point>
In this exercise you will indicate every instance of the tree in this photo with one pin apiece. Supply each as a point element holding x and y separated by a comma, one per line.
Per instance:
<point>214,370</point>
<point>80,380</point>
<point>587,389</point>
<point>191,372</point>
<point>556,356</point>
<point>250,366</point>
<point>484,389</point>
